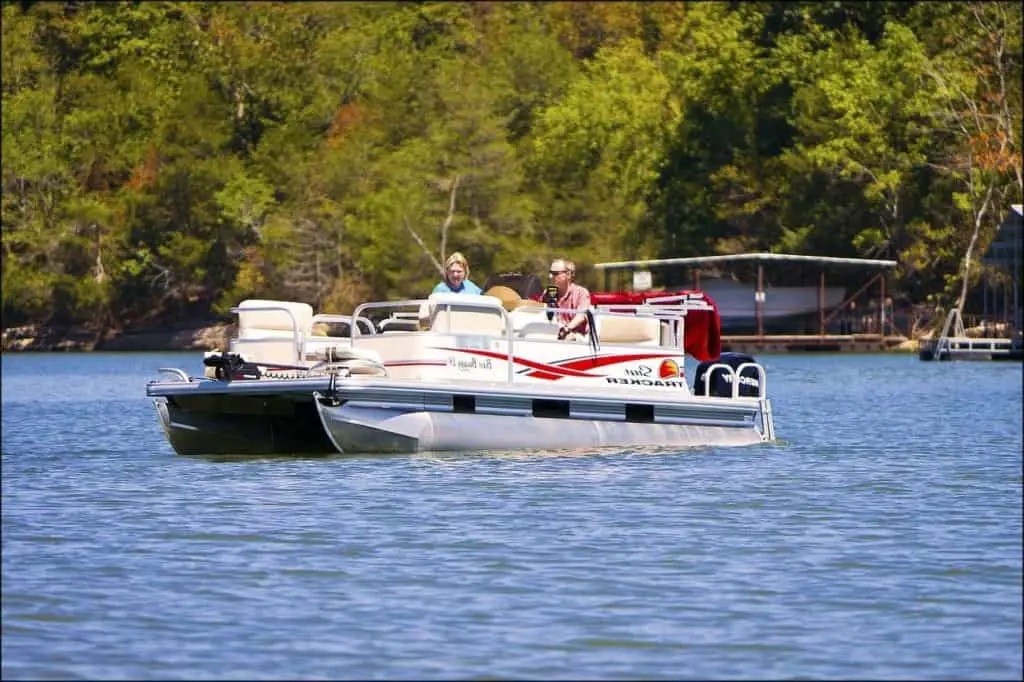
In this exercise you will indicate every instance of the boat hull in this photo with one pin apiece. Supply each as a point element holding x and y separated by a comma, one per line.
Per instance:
<point>379,430</point>
<point>376,415</point>
<point>195,428</point>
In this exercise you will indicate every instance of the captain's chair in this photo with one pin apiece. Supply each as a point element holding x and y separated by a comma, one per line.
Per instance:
<point>272,331</point>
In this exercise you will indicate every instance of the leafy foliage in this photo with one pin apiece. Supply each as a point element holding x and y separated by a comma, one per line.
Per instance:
<point>168,159</point>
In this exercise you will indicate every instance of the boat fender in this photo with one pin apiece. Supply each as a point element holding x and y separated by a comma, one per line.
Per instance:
<point>721,381</point>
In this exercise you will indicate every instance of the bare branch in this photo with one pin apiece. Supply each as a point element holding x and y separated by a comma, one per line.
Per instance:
<point>448,219</point>
<point>419,240</point>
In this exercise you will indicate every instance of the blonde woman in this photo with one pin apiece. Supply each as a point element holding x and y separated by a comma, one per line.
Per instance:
<point>456,277</point>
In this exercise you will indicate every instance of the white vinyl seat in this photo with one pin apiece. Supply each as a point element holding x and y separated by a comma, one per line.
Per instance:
<point>538,330</point>
<point>466,314</point>
<point>638,331</point>
<point>532,323</point>
<point>272,331</point>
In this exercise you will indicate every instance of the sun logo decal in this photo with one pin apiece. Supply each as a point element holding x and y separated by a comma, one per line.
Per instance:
<point>668,369</point>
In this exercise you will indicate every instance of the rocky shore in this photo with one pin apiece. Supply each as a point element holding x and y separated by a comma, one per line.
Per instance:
<point>192,337</point>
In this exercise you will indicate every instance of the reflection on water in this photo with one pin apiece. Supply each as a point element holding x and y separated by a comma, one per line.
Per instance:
<point>527,455</point>
<point>241,459</point>
<point>467,456</point>
<point>879,538</point>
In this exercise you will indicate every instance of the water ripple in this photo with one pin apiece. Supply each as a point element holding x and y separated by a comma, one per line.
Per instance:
<point>880,538</point>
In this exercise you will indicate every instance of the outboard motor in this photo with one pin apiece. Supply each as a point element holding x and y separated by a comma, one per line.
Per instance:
<point>721,381</point>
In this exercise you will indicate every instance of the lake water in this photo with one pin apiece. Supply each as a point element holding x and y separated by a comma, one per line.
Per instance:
<point>881,538</point>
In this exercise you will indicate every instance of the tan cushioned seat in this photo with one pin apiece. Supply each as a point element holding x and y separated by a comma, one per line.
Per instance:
<point>633,330</point>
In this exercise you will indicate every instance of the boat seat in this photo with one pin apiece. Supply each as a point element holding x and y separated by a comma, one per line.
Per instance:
<point>328,324</point>
<point>538,330</point>
<point>641,331</point>
<point>398,325</point>
<point>449,313</point>
<point>274,332</point>
<point>317,347</point>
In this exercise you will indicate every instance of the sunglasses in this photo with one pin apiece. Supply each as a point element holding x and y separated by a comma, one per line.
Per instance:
<point>556,272</point>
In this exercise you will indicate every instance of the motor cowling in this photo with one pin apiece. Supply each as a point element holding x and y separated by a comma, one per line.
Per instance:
<point>720,379</point>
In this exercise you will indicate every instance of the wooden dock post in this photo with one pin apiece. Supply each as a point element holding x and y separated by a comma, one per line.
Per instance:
<point>759,299</point>
<point>821,303</point>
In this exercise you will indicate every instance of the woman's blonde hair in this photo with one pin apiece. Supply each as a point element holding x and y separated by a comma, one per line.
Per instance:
<point>457,259</point>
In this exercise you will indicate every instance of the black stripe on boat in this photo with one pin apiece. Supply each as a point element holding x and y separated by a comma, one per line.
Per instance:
<point>638,412</point>
<point>557,409</point>
<point>464,404</point>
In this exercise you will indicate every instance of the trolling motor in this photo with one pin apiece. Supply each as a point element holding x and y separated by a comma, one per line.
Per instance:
<point>228,366</point>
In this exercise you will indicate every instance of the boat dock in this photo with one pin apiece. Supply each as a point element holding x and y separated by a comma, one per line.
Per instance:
<point>792,318</point>
<point>824,343</point>
<point>954,344</point>
<point>970,348</point>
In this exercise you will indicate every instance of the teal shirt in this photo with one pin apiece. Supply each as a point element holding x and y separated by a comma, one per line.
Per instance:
<point>467,288</point>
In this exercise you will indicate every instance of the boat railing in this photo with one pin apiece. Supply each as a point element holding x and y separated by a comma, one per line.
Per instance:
<point>271,334</point>
<point>734,377</point>
<point>348,320</point>
<point>683,301</point>
<point>505,328</point>
<point>256,338</point>
<point>180,373</point>
<point>262,335</point>
<point>634,311</point>
<point>671,309</point>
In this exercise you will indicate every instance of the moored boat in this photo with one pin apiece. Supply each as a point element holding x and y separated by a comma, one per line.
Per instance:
<point>462,372</point>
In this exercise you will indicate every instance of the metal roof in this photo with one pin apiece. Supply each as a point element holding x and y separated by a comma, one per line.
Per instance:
<point>698,260</point>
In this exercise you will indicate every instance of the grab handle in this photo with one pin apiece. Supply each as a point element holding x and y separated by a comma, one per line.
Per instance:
<point>177,372</point>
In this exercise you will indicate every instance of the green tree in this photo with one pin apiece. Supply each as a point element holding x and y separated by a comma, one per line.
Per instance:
<point>597,153</point>
<point>862,115</point>
<point>979,80</point>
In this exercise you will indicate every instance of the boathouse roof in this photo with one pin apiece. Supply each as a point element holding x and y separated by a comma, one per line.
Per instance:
<point>758,257</point>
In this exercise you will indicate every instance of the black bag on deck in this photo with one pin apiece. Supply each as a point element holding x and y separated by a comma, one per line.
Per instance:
<point>721,382</point>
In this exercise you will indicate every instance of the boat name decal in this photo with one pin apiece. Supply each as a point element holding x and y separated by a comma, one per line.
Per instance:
<point>465,364</point>
<point>645,382</point>
<point>538,368</point>
<point>571,367</point>
<point>669,369</point>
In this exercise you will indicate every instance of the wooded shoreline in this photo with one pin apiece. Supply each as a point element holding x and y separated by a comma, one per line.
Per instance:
<point>165,160</point>
<point>38,338</point>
